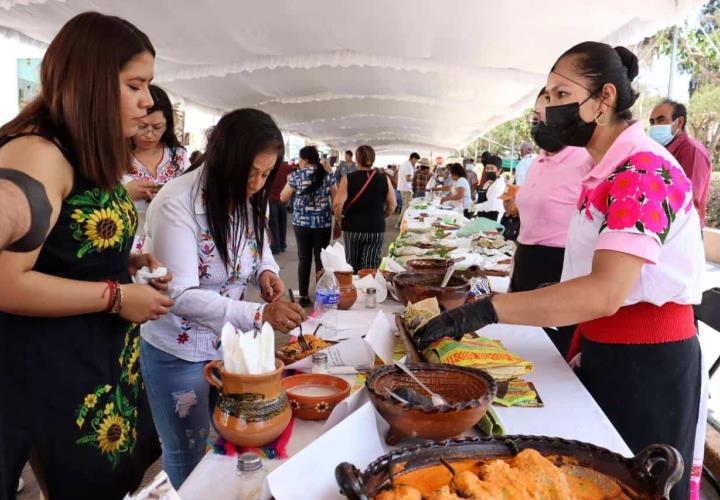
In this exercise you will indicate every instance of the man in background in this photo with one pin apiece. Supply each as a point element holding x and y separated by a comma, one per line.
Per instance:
<point>405,176</point>
<point>667,126</point>
<point>345,167</point>
<point>421,178</point>
<point>526,158</point>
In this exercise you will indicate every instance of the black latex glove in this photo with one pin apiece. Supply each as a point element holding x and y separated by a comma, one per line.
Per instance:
<point>457,322</point>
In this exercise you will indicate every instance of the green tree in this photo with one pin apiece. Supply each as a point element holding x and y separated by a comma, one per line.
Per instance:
<point>499,140</point>
<point>698,48</point>
<point>704,119</point>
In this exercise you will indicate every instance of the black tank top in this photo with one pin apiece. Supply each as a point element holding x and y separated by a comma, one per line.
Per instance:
<point>367,214</point>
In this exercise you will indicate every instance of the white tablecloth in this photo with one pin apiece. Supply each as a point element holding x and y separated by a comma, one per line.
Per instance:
<point>569,412</point>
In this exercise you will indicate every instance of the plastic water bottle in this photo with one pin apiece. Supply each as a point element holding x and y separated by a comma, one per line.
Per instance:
<point>327,297</point>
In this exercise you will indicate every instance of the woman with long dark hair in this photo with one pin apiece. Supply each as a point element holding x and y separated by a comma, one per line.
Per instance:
<point>72,397</point>
<point>314,191</point>
<point>364,200</point>
<point>633,262</point>
<point>157,158</point>
<point>209,228</point>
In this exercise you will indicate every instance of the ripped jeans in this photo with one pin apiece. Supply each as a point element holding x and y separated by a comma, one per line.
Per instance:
<point>181,404</point>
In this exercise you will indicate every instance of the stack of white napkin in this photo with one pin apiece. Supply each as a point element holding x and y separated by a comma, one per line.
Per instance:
<point>248,353</point>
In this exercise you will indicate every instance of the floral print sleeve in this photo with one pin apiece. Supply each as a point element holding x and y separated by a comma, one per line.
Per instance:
<point>643,196</point>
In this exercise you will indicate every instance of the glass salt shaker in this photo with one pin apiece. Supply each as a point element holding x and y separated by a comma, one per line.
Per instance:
<point>250,476</point>
<point>320,362</point>
<point>370,298</point>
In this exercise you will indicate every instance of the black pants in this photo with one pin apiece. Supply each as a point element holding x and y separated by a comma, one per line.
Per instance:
<point>650,393</point>
<point>310,241</point>
<point>488,215</point>
<point>363,250</point>
<point>536,266</point>
<point>278,226</point>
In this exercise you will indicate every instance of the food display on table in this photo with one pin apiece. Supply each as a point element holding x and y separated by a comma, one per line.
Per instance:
<point>414,287</point>
<point>410,413</point>
<point>512,467</point>
<point>292,352</point>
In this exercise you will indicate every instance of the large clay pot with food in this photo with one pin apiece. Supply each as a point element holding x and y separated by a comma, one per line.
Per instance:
<point>253,410</point>
<point>348,292</point>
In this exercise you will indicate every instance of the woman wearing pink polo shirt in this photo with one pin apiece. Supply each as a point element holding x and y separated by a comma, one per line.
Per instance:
<point>632,266</point>
<point>546,203</point>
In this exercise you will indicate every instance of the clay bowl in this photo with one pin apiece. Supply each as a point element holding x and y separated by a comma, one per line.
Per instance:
<point>650,474</point>
<point>313,396</point>
<point>414,287</point>
<point>469,392</point>
<point>435,265</point>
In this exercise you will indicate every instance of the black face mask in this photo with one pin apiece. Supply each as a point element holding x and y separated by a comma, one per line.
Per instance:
<point>544,138</point>
<point>491,176</point>
<point>565,124</point>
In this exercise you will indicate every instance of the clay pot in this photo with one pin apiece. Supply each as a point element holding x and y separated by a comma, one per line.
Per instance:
<point>253,410</point>
<point>414,287</point>
<point>348,293</point>
<point>469,392</point>
<point>315,407</point>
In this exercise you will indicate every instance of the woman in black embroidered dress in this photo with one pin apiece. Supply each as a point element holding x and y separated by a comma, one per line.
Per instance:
<point>73,402</point>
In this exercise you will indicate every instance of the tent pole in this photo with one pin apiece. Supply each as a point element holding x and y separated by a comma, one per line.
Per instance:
<point>673,62</point>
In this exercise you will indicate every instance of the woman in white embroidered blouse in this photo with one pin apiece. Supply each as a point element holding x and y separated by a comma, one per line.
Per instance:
<point>208,227</point>
<point>157,158</point>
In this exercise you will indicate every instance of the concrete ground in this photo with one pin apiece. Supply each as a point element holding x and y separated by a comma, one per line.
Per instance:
<point>288,272</point>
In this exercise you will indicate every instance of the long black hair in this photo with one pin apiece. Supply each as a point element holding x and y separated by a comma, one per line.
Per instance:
<point>310,154</point>
<point>161,102</point>
<point>232,146</point>
<point>600,63</point>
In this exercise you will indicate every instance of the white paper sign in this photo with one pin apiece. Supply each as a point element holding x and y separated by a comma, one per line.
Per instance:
<point>380,338</point>
<point>311,473</point>
<point>354,352</point>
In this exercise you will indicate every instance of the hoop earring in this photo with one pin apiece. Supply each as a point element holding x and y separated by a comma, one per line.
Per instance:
<point>598,122</point>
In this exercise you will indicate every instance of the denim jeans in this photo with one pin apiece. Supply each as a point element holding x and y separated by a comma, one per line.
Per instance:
<point>181,403</point>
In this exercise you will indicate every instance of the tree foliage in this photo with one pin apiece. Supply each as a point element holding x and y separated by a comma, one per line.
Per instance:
<point>698,48</point>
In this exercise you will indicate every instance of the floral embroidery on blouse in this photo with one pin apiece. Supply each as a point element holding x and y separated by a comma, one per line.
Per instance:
<point>102,220</point>
<point>644,195</point>
<point>171,165</point>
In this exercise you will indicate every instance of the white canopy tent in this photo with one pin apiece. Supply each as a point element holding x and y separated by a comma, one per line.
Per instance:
<point>399,75</point>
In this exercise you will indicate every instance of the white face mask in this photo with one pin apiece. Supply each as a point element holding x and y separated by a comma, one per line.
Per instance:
<point>663,133</point>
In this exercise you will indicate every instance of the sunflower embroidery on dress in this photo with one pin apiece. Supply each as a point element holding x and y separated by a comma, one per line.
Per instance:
<point>130,360</point>
<point>102,220</point>
<point>107,420</point>
<point>106,416</point>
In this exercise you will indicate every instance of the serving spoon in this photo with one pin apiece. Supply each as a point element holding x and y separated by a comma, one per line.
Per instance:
<point>437,399</point>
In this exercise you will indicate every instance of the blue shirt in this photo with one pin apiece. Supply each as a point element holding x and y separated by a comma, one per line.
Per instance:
<point>311,209</point>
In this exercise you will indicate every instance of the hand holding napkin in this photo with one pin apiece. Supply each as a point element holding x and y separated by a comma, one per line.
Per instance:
<point>333,258</point>
<point>248,353</point>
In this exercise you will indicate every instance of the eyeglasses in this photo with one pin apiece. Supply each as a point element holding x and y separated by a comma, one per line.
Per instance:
<point>156,130</point>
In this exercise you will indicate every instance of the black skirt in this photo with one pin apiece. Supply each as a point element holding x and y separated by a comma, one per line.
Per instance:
<point>650,393</point>
<point>536,266</point>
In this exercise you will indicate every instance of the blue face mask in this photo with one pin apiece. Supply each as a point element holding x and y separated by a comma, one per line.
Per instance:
<point>662,134</point>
